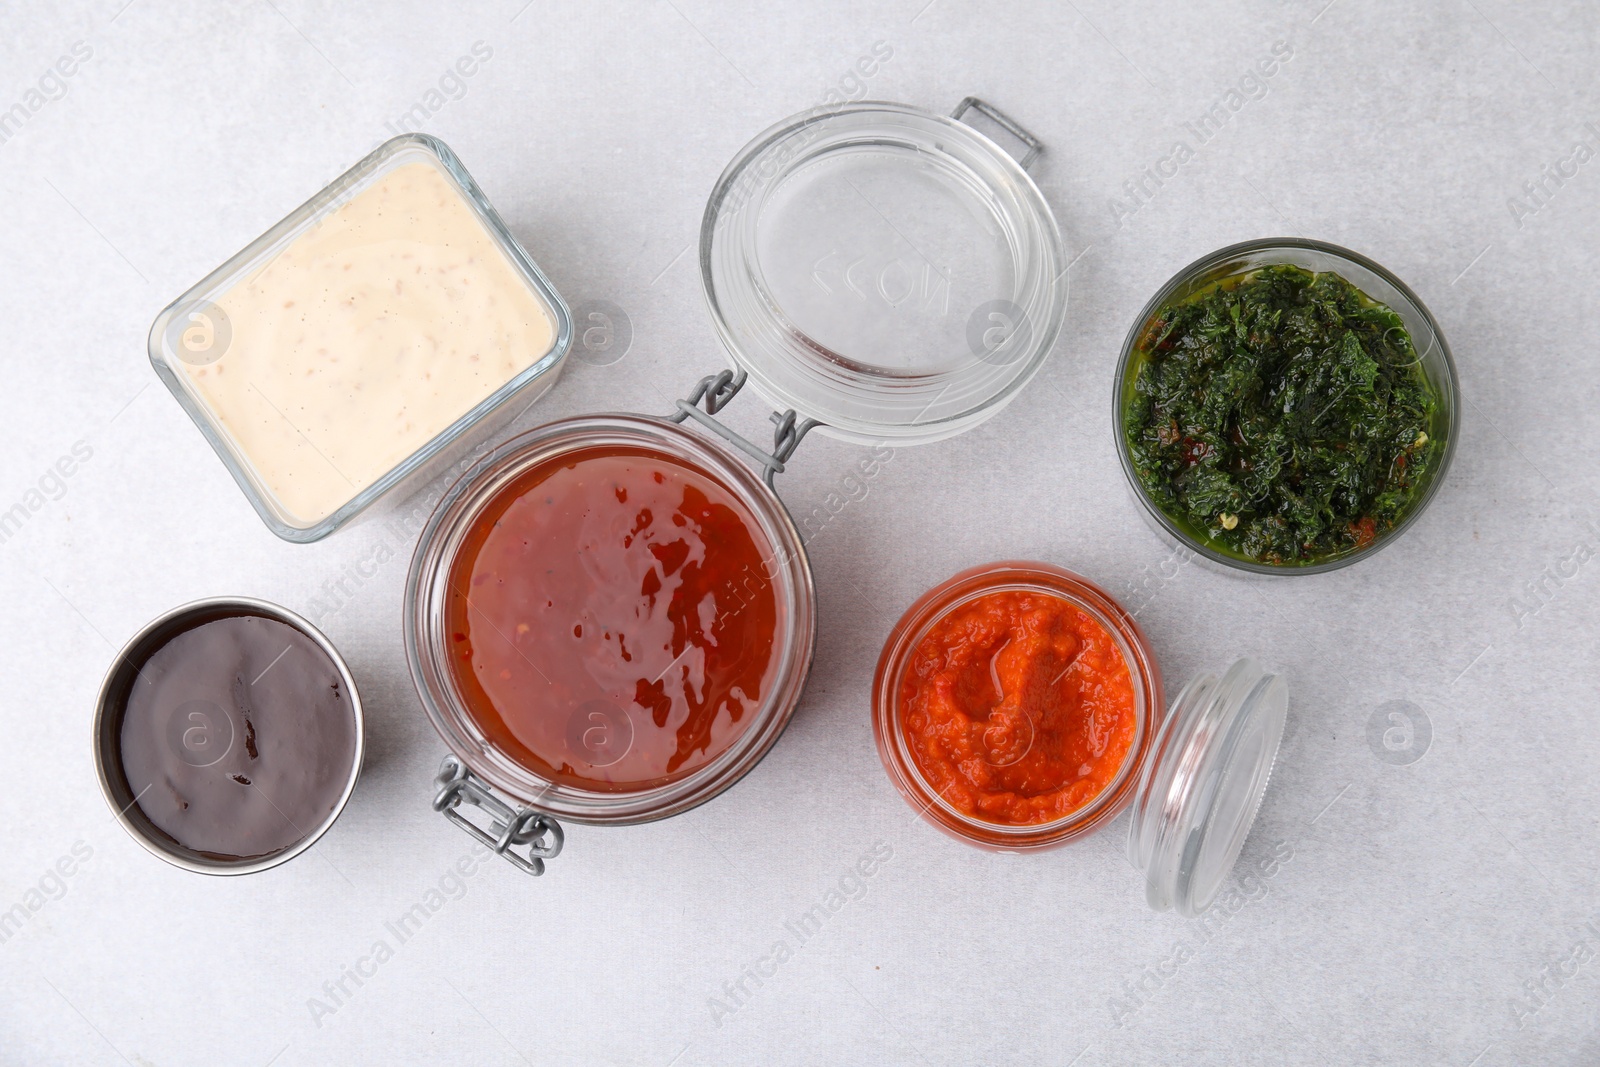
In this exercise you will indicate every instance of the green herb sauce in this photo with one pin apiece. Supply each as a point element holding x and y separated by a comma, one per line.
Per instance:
<point>1281,416</point>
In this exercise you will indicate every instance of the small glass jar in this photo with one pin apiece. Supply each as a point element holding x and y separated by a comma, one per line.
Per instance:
<point>1194,773</point>
<point>877,273</point>
<point>193,336</point>
<point>1315,256</point>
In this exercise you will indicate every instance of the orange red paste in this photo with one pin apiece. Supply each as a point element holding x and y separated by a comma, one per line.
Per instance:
<point>1018,708</point>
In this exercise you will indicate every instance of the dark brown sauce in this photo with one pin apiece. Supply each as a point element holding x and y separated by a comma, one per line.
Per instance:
<point>237,737</point>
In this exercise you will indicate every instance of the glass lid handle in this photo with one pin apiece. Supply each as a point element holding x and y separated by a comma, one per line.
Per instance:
<point>715,390</point>
<point>509,828</point>
<point>1035,147</point>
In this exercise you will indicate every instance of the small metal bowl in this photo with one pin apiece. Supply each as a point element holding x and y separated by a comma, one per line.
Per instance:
<point>1316,256</point>
<point>108,727</point>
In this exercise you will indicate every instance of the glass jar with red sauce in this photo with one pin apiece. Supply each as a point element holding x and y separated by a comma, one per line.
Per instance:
<point>610,618</point>
<point>1017,706</point>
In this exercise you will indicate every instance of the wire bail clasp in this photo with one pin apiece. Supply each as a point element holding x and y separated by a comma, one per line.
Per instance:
<point>716,390</point>
<point>509,828</point>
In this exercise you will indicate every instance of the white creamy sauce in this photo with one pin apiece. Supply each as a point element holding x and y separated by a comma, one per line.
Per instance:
<point>365,337</point>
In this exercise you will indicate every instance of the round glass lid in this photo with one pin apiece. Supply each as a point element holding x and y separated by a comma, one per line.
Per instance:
<point>889,272</point>
<point>1203,784</point>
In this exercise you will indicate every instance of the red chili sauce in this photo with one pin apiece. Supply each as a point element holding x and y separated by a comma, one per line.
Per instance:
<point>612,619</point>
<point>1018,708</point>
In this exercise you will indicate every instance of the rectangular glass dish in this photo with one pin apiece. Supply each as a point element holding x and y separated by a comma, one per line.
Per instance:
<point>380,329</point>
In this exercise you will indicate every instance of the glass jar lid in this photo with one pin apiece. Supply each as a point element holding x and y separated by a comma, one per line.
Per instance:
<point>1202,784</point>
<point>889,272</point>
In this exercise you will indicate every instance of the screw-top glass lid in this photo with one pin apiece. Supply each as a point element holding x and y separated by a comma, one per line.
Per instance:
<point>890,272</point>
<point>1202,785</point>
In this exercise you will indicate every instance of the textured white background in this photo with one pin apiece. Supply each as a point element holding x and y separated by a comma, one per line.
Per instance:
<point>1432,912</point>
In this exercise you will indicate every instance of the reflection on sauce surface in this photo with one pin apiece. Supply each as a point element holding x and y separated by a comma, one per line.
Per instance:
<point>612,623</point>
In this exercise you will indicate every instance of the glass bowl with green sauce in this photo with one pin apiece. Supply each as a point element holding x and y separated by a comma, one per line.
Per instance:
<point>1285,406</point>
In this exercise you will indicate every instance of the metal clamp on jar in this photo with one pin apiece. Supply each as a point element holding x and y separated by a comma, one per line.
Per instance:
<point>878,273</point>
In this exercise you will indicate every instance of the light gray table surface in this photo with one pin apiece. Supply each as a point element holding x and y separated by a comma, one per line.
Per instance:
<point>1418,890</point>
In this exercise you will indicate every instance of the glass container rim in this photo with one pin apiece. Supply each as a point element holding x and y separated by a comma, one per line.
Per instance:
<point>1449,387</point>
